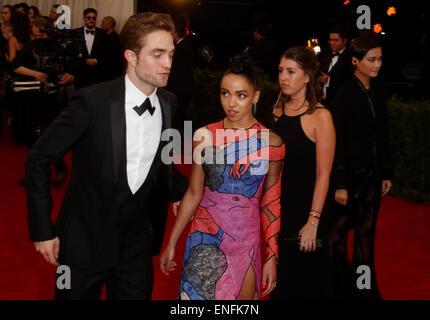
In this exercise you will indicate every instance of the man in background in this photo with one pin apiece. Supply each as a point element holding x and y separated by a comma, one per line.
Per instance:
<point>335,66</point>
<point>113,57</point>
<point>92,52</point>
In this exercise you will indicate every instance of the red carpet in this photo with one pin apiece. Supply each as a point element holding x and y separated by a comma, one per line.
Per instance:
<point>402,242</point>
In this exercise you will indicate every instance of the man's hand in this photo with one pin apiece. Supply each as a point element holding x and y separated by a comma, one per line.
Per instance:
<point>91,62</point>
<point>341,196</point>
<point>49,250</point>
<point>323,78</point>
<point>175,207</point>
<point>67,78</point>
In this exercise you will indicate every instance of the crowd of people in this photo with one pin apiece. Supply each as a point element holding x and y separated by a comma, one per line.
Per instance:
<point>317,172</point>
<point>39,62</point>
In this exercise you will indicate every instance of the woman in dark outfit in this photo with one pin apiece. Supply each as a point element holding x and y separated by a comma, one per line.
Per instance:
<point>361,173</point>
<point>304,267</point>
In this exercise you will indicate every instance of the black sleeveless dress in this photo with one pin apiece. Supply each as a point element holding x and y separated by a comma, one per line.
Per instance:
<point>300,275</point>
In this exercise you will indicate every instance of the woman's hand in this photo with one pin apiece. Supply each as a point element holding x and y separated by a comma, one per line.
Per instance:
<point>386,186</point>
<point>166,259</point>
<point>269,276</point>
<point>341,196</point>
<point>308,235</point>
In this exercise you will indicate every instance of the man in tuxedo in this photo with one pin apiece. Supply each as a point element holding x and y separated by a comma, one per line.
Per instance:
<point>113,214</point>
<point>264,51</point>
<point>53,14</point>
<point>335,66</point>
<point>114,60</point>
<point>92,51</point>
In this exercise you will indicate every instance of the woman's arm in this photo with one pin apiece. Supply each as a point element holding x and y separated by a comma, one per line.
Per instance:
<point>270,207</point>
<point>32,73</point>
<point>325,141</point>
<point>14,45</point>
<point>188,206</point>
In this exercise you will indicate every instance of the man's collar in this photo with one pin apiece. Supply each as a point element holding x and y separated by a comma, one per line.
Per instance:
<point>135,93</point>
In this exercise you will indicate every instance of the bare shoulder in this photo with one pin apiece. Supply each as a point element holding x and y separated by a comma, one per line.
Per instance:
<point>322,113</point>
<point>13,40</point>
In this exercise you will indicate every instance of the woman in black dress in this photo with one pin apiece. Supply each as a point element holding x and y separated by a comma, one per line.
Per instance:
<point>361,173</point>
<point>304,268</point>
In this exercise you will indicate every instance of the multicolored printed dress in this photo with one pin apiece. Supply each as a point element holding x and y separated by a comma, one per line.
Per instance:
<point>242,188</point>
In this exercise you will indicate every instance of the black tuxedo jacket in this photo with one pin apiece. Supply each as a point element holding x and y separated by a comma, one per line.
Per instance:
<point>340,73</point>
<point>361,133</point>
<point>113,58</point>
<point>181,77</point>
<point>93,126</point>
<point>85,74</point>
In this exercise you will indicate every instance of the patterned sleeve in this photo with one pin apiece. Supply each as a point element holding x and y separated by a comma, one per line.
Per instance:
<point>270,205</point>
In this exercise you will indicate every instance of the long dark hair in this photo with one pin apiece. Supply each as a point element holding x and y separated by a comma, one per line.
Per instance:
<point>308,62</point>
<point>35,10</point>
<point>21,27</point>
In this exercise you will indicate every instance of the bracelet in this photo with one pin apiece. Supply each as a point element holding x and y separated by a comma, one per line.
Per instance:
<point>313,214</point>
<point>315,211</point>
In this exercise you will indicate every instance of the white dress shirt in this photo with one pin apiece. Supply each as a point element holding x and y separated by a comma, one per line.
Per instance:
<point>143,134</point>
<point>89,39</point>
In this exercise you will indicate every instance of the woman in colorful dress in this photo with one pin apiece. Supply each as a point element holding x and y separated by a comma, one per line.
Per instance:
<point>234,191</point>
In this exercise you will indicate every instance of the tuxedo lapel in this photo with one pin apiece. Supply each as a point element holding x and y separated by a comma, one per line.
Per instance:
<point>165,109</point>
<point>97,40</point>
<point>81,32</point>
<point>117,113</point>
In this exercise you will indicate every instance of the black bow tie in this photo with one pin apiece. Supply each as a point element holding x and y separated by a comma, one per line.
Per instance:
<point>146,105</point>
<point>334,54</point>
<point>90,31</point>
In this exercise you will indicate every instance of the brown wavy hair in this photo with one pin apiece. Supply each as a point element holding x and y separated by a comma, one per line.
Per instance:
<point>136,28</point>
<point>308,62</point>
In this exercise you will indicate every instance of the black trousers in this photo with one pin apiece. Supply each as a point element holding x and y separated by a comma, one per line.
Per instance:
<point>130,278</point>
<point>360,215</point>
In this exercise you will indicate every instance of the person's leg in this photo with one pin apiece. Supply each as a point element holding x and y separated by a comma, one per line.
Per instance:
<point>132,279</point>
<point>249,286</point>
<point>84,285</point>
<point>338,235</point>
<point>367,208</point>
